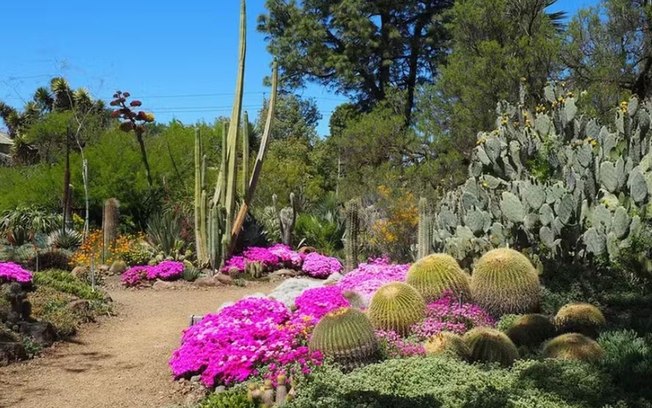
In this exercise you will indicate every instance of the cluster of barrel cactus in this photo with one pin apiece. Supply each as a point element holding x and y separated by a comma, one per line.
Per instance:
<point>550,180</point>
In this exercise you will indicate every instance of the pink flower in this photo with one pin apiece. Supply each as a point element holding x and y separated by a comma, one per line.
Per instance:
<point>166,270</point>
<point>12,272</point>
<point>320,266</point>
<point>367,278</point>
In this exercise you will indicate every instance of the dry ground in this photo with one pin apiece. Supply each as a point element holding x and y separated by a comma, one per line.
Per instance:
<point>120,362</point>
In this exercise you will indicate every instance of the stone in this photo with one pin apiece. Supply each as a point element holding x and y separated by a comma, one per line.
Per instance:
<point>80,306</point>
<point>104,268</point>
<point>80,272</point>
<point>291,288</point>
<point>224,279</point>
<point>207,282</point>
<point>162,285</point>
<point>42,333</point>
<point>307,250</point>
<point>281,274</point>
<point>333,279</point>
<point>10,352</point>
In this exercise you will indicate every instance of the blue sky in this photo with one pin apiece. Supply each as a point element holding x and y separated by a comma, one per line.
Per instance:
<point>179,58</point>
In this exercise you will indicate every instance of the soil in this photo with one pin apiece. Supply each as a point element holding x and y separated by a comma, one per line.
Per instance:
<point>120,361</point>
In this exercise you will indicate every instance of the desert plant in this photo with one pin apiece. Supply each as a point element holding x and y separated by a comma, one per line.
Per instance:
<point>117,267</point>
<point>448,343</point>
<point>163,233</point>
<point>51,259</point>
<point>505,281</point>
<point>352,243</point>
<point>324,231</point>
<point>347,336</point>
<point>530,330</point>
<point>628,360</point>
<point>573,346</point>
<point>490,346</point>
<point>65,239</point>
<point>436,273</point>
<point>396,306</point>
<point>110,224</point>
<point>231,398</point>
<point>580,318</point>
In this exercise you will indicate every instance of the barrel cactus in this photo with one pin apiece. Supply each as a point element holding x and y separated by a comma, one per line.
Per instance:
<point>396,306</point>
<point>530,330</point>
<point>436,273</point>
<point>447,343</point>
<point>505,281</point>
<point>490,346</point>
<point>347,336</point>
<point>580,318</point>
<point>573,346</point>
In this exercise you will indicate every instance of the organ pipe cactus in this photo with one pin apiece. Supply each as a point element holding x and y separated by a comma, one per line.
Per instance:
<point>352,244</point>
<point>217,226</point>
<point>425,229</point>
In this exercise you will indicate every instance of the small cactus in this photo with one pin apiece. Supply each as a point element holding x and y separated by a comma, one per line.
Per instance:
<point>573,346</point>
<point>490,346</point>
<point>396,306</point>
<point>505,281</point>
<point>117,267</point>
<point>110,224</point>
<point>447,343</point>
<point>530,330</point>
<point>347,336</point>
<point>580,318</point>
<point>436,273</point>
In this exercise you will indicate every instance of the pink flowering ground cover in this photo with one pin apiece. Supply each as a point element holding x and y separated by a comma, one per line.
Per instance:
<point>368,277</point>
<point>282,256</point>
<point>317,302</point>
<point>449,314</point>
<point>12,272</point>
<point>395,346</point>
<point>252,336</point>
<point>166,270</point>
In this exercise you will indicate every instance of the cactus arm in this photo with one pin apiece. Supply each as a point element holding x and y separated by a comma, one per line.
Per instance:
<point>199,244</point>
<point>258,164</point>
<point>245,153</point>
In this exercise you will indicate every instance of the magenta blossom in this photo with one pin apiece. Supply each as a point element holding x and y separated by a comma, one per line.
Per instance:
<point>320,266</point>
<point>396,346</point>
<point>166,270</point>
<point>367,278</point>
<point>12,272</point>
<point>316,302</point>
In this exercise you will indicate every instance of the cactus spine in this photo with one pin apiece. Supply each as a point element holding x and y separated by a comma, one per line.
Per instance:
<point>425,229</point>
<point>352,244</point>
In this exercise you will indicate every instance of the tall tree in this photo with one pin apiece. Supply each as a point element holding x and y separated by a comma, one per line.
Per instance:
<point>498,48</point>
<point>358,48</point>
<point>609,51</point>
<point>295,118</point>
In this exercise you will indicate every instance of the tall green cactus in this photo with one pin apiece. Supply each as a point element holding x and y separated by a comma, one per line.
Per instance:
<point>217,226</point>
<point>425,230</point>
<point>352,244</point>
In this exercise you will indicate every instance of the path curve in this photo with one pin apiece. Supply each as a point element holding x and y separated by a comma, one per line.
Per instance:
<point>122,362</point>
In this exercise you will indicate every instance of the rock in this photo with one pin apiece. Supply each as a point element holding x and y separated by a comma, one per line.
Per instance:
<point>10,352</point>
<point>207,281</point>
<point>103,268</point>
<point>80,272</point>
<point>333,279</point>
<point>80,306</point>
<point>224,279</point>
<point>162,285</point>
<point>42,333</point>
<point>118,267</point>
<point>281,274</point>
<point>307,250</point>
<point>291,288</point>
<point>195,378</point>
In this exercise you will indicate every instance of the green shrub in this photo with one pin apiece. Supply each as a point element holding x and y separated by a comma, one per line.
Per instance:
<point>65,282</point>
<point>51,305</point>
<point>628,359</point>
<point>396,306</point>
<point>436,273</point>
<point>231,398</point>
<point>54,259</point>
<point>505,281</point>
<point>580,318</point>
<point>506,321</point>
<point>324,232</point>
<point>489,345</point>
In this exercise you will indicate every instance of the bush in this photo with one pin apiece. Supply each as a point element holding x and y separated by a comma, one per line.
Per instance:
<point>628,359</point>
<point>233,398</point>
<point>55,259</point>
<point>65,282</point>
<point>51,305</point>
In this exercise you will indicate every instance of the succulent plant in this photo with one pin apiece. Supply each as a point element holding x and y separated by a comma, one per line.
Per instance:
<point>396,306</point>
<point>489,345</point>
<point>436,273</point>
<point>352,245</point>
<point>505,281</point>
<point>110,223</point>
<point>68,239</point>
<point>530,330</point>
<point>580,318</point>
<point>347,336</point>
<point>573,346</point>
<point>447,343</point>
<point>117,267</point>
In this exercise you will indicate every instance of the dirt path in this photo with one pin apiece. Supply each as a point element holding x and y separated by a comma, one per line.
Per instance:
<point>123,361</point>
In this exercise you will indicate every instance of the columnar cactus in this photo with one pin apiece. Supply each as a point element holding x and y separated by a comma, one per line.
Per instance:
<point>580,318</point>
<point>110,224</point>
<point>352,244</point>
<point>504,281</point>
<point>287,217</point>
<point>573,346</point>
<point>490,346</point>
<point>424,243</point>
<point>436,273</point>
<point>396,306</point>
<point>347,336</point>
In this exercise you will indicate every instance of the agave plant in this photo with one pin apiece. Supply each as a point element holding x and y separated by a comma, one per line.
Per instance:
<point>163,232</point>
<point>22,225</point>
<point>65,239</point>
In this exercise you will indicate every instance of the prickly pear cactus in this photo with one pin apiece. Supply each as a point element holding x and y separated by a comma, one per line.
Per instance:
<point>552,182</point>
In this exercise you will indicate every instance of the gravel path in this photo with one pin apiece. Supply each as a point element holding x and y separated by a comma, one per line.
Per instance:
<point>122,362</point>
